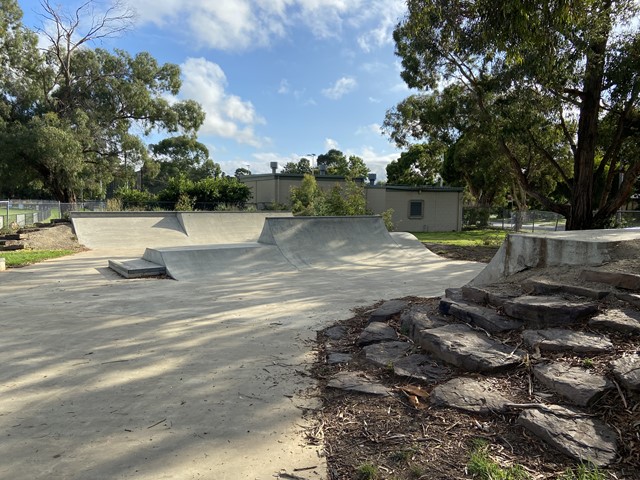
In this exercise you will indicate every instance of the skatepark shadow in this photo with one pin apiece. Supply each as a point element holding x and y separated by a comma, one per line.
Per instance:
<point>108,378</point>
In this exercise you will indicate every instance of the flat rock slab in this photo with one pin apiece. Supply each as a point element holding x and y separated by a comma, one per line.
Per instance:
<point>483,317</point>
<point>575,384</point>
<point>419,318</point>
<point>469,394</point>
<point>545,287</point>
<point>541,312</point>
<point>618,320</point>
<point>562,340</point>
<point>386,353</point>
<point>628,281</point>
<point>577,435</point>
<point>627,371</point>
<point>335,358</point>
<point>377,332</point>
<point>482,296</point>
<point>459,345</point>
<point>421,367</point>
<point>337,332</point>
<point>632,298</point>
<point>355,382</point>
<point>387,310</point>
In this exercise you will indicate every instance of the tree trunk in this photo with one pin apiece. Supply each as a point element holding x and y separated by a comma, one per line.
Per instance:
<point>581,216</point>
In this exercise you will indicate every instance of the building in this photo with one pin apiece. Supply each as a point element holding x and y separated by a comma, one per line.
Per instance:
<point>415,209</point>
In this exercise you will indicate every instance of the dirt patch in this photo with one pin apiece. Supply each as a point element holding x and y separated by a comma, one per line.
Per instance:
<point>454,252</point>
<point>57,237</point>
<point>404,437</point>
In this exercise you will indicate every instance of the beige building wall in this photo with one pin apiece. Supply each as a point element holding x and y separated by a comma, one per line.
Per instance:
<point>440,209</point>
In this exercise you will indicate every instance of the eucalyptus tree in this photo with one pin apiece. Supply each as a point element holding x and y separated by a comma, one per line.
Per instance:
<point>560,79</point>
<point>71,113</point>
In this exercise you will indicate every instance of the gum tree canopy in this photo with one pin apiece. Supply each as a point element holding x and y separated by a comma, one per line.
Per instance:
<point>67,111</point>
<point>557,78</point>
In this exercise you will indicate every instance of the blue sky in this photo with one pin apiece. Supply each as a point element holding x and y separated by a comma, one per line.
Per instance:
<point>279,79</point>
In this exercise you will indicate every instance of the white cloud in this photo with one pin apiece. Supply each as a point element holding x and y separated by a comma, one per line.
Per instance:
<point>283,89</point>
<point>374,100</point>
<point>342,86</point>
<point>246,24</point>
<point>330,144</point>
<point>369,129</point>
<point>376,161</point>
<point>228,115</point>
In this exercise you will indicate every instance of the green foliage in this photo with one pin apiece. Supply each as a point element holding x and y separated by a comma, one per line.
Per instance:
<point>483,467</point>
<point>307,199</point>
<point>584,471</point>
<point>185,203</point>
<point>206,194</point>
<point>417,166</point>
<point>338,164</point>
<point>367,471</point>
<point>303,166</point>
<point>134,199</point>
<point>66,115</point>
<point>342,199</point>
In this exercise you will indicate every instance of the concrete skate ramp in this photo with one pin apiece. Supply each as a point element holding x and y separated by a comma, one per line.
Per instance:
<point>233,260</point>
<point>204,228</point>
<point>135,231</point>
<point>552,249</point>
<point>324,241</point>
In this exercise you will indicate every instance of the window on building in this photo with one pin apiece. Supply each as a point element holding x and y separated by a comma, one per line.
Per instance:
<point>416,208</point>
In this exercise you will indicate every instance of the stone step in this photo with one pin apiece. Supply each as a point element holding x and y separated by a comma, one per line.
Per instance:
<point>419,318</point>
<point>628,281</point>
<point>454,294</point>
<point>471,395</point>
<point>620,320</point>
<point>11,236</point>
<point>545,311</point>
<point>630,298</point>
<point>421,367</point>
<point>377,332</point>
<point>575,434</point>
<point>463,347</point>
<point>386,353</point>
<point>546,287</point>
<point>483,296</point>
<point>563,340</point>
<point>627,371</point>
<point>482,317</point>
<point>387,310</point>
<point>576,384</point>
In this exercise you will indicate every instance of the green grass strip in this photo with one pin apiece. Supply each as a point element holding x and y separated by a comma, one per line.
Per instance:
<point>20,258</point>
<point>466,238</point>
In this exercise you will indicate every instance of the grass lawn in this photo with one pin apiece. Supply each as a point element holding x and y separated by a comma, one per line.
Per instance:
<point>20,258</point>
<point>466,238</point>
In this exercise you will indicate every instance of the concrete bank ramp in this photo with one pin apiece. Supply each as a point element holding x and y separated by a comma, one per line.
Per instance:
<point>136,231</point>
<point>289,244</point>
<point>326,241</point>
<point>520,252</point>
<point>206,261</point>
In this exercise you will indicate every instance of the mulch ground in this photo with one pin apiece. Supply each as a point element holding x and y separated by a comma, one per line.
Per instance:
<point>403,437</point>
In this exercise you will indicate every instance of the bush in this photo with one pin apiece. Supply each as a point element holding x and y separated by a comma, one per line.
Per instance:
<point>134,199</point>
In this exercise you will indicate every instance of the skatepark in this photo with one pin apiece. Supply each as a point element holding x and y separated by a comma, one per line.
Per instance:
<point>202,371</point>
<point>199,377</point>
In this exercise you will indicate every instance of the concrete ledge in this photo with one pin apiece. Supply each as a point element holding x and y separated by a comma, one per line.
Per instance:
<point>136,268</point>
<point>551,249</point>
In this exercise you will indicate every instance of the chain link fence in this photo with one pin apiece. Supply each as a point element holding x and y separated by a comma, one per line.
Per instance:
<point>532,220</point>
<point>21,213</point>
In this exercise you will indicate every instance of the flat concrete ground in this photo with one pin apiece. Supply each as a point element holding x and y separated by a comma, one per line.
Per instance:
<point>107,378</point>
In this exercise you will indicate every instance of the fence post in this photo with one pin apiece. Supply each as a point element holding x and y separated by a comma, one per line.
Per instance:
<point>7,225</point>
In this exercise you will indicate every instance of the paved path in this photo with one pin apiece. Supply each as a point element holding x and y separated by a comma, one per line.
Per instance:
<point>106,378</point>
